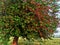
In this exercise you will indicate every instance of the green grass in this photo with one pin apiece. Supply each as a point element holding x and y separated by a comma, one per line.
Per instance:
<point>54,41</point>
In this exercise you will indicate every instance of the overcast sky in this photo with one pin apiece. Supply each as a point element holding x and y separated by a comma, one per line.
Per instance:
<point>58,28</point>
<point>58,3</point>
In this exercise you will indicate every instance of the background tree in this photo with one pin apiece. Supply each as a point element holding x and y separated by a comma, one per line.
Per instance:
<point>28,19</point>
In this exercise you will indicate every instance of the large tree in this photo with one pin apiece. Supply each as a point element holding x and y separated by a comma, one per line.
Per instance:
<point>26,18</point>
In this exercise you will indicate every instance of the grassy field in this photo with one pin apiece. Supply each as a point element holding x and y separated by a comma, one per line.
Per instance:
<point>54,41</point>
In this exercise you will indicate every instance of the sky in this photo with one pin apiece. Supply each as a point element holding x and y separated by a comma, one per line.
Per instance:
<point>58,3</point>
<point>57,34</point>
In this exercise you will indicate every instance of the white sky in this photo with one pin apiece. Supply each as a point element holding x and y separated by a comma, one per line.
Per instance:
<point>58,29</point>
<point>58,3</point>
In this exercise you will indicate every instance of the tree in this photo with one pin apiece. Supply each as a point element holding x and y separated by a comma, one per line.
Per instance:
<point>28,19</point>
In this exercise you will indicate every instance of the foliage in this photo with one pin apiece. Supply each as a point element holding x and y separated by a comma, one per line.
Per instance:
<point>27,19</point>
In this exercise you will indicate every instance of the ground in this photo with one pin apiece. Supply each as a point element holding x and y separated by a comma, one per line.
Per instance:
<point>53,41</point>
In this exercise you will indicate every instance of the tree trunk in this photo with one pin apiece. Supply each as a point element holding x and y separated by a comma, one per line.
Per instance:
<point>15,41</point>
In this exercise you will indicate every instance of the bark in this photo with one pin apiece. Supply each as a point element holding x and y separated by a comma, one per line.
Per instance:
<point>15,41</point>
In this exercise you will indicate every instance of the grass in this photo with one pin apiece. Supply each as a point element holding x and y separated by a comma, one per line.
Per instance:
<point>54,41</point>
